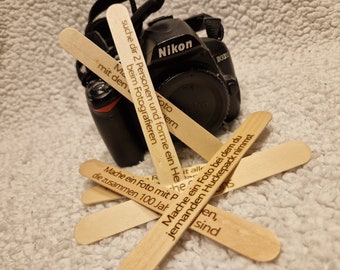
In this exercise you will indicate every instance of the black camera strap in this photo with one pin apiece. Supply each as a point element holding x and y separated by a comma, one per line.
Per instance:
<point>98,31</point>
<point>213,26</point>
<point>101,5</point>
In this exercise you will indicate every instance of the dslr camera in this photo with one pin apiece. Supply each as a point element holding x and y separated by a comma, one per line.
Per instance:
<point>195,73</point>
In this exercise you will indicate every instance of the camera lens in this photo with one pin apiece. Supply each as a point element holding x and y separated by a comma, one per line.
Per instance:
<point>200,94</point>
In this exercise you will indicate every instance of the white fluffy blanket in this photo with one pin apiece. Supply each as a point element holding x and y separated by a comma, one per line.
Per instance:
<point>287,58</point>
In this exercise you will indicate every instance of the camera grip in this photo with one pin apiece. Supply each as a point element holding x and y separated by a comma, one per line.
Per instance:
<point>117,124</point>
<point>119,135</point>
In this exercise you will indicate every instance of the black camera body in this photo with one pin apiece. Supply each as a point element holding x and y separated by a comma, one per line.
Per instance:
<point>194,73</point>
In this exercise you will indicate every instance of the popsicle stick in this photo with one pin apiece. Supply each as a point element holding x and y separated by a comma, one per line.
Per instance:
<point>96,227</point>
<point>158,198</point>
<point>110,70</point>
<point>98,194</point>
<point>253,168</point>
<point>156,134</point>
<point>276,160</point>
<point>261,165</point>
<point>244,237</point>
<point>177,218</point>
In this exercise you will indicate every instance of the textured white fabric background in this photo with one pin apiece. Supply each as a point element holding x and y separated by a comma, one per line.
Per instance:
<point>287,58</point>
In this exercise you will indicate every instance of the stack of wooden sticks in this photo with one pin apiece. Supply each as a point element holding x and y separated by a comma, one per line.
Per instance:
<point>179,198</point>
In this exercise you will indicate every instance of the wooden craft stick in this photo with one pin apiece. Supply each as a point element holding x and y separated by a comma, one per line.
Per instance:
<point>96,227</point>
<point>99,194</point>
<point>156,134</point>
<point>177,218</point>
<point>272,161</point>
<point>246,238</point>
<point>253,168</point>
<point>109,70</point>
<point>157,198</point>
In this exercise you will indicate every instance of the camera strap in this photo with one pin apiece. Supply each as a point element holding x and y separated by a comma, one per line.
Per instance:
<point>101,5</point>
<point>213,26</point>
<point>97,30</point>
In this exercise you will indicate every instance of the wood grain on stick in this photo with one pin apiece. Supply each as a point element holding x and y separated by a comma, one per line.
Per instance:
<point>151,119</point>
<point>177,218</point>
<point>252,168</point>
<point>195,199</point>
<point>246,238</point>
<point>255,167</point>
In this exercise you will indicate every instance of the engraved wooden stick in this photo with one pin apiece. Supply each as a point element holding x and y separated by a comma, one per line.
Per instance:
<point>252,168</point>
<point>108,69</point>
<point>246,238</point>
<point>178,217</point>
<point>144,98</point>
<point>136,189</point>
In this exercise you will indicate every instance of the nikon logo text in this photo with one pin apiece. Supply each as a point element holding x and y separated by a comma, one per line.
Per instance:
<point>174,48</point>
